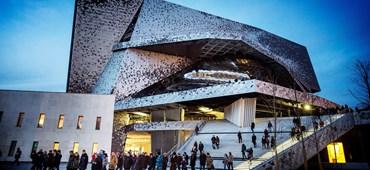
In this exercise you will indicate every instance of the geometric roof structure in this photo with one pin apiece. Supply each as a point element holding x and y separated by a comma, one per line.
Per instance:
<point>173,29</point>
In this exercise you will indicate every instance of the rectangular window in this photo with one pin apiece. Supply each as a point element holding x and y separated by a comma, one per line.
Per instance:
<point>20,119</point>
<point>1,115</point>
<point>95,148</point>
<point>97,124</point>
<point>40,123</point>
<point>60,121</point>
<point>75,147</point>
<point>13,144</point>
<point>56,146</point>
<point>34,146</point>
<point>79,122</point>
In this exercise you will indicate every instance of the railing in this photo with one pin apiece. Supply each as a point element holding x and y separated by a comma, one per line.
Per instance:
<point>200,126</point>
<point>288,150</point>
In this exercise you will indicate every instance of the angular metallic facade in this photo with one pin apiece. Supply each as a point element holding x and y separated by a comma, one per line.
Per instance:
<point>128,46</point>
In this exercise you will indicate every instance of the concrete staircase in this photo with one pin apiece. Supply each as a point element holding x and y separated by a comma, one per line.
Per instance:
<point>289,150</point>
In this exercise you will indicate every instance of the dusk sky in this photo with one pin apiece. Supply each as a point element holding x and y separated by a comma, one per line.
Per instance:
<point>35,38</point>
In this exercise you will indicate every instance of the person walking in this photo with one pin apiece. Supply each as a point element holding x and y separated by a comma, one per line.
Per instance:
<point>253,125</point>
<point>266,132</point>
<point>217,142</point>
<point>226,161</point>
<point>250,153</point>
<point>193,159</point>
<point>267,142</point>
<point>269,125</point>
<point>273,142</point>
<point>209,162</point>
<point>17,156</point>
<point>158,161</point>
<point>254,140</point>
<point>202,161</point>
<point>213,139</point>
<point>263,141</point>
<point>240,140</point>
<point>244,149</point>
<point>196,130</point>
<point>201,147</point>
<point>231,161</point>
<point>84,160</point>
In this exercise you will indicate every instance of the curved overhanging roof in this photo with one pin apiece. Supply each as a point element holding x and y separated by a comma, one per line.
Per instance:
<point>169,28</point>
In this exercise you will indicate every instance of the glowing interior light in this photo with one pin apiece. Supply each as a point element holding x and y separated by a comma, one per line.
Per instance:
<point>336,153</point>
<point>205,109</point>
<point>307,107</point>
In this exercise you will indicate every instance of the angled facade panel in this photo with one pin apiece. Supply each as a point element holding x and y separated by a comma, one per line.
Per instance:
<point>98,25</point>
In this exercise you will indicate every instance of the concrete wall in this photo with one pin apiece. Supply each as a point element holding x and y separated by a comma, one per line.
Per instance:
<point>54,104</point>
<point>241,112</point>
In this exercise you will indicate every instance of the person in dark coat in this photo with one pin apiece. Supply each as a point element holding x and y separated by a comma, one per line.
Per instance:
<point>244,149</point>
<point>193,159</point>
<point>44,160</point>
<point>34,159</point>
<point>178,161</point>
<point>273,141</point>
<point>266,132</point>
<point>58,158</point>
<point>186,157</point>
<point>39,159</point>
<point>152,161</point>
<point>196,130</point>
<point>269,125</point>
<point>254,140</point>
<point>165,161</point>
<point>50,160</point>
<point>217,142</point>
<point>173,161</point>
<point>120,161</point>
<point>83,160</point>
<point>201,147</point>
<point>253,125</point>
<point>213,139</point>
<point>127,162</point>
<point>17,156</point>
<point>70,161</point>
<point>202,160</point>
<point>240,140</point>
<point>99,161</point>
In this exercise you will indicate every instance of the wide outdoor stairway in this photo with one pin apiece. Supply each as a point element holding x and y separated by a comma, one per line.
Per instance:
<point>289,149</point>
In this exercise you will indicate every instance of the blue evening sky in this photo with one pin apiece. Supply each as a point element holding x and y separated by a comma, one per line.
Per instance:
<point>35,37</point>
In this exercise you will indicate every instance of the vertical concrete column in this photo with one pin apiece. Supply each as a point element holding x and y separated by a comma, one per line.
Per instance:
<point>241,112</point>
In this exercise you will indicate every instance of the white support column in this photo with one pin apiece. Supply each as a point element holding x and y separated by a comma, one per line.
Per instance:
<point>241,112</point>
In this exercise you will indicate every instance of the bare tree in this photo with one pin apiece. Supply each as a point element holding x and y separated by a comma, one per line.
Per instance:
<point>361,76</point>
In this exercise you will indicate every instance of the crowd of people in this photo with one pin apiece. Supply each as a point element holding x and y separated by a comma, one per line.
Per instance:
<point>43,160</point>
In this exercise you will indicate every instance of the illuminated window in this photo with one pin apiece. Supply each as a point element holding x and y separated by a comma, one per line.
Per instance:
<point>336,153</point>
<point>20,119</point>
<point>60,121</point>
<point>41,121</point>
<point>56,146</point>
<point>97,124</point>
<point>95,148</point>
<point>13,144</point>
<point>75,147</point>
<point>35,144</point>
<point>79,122</point>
